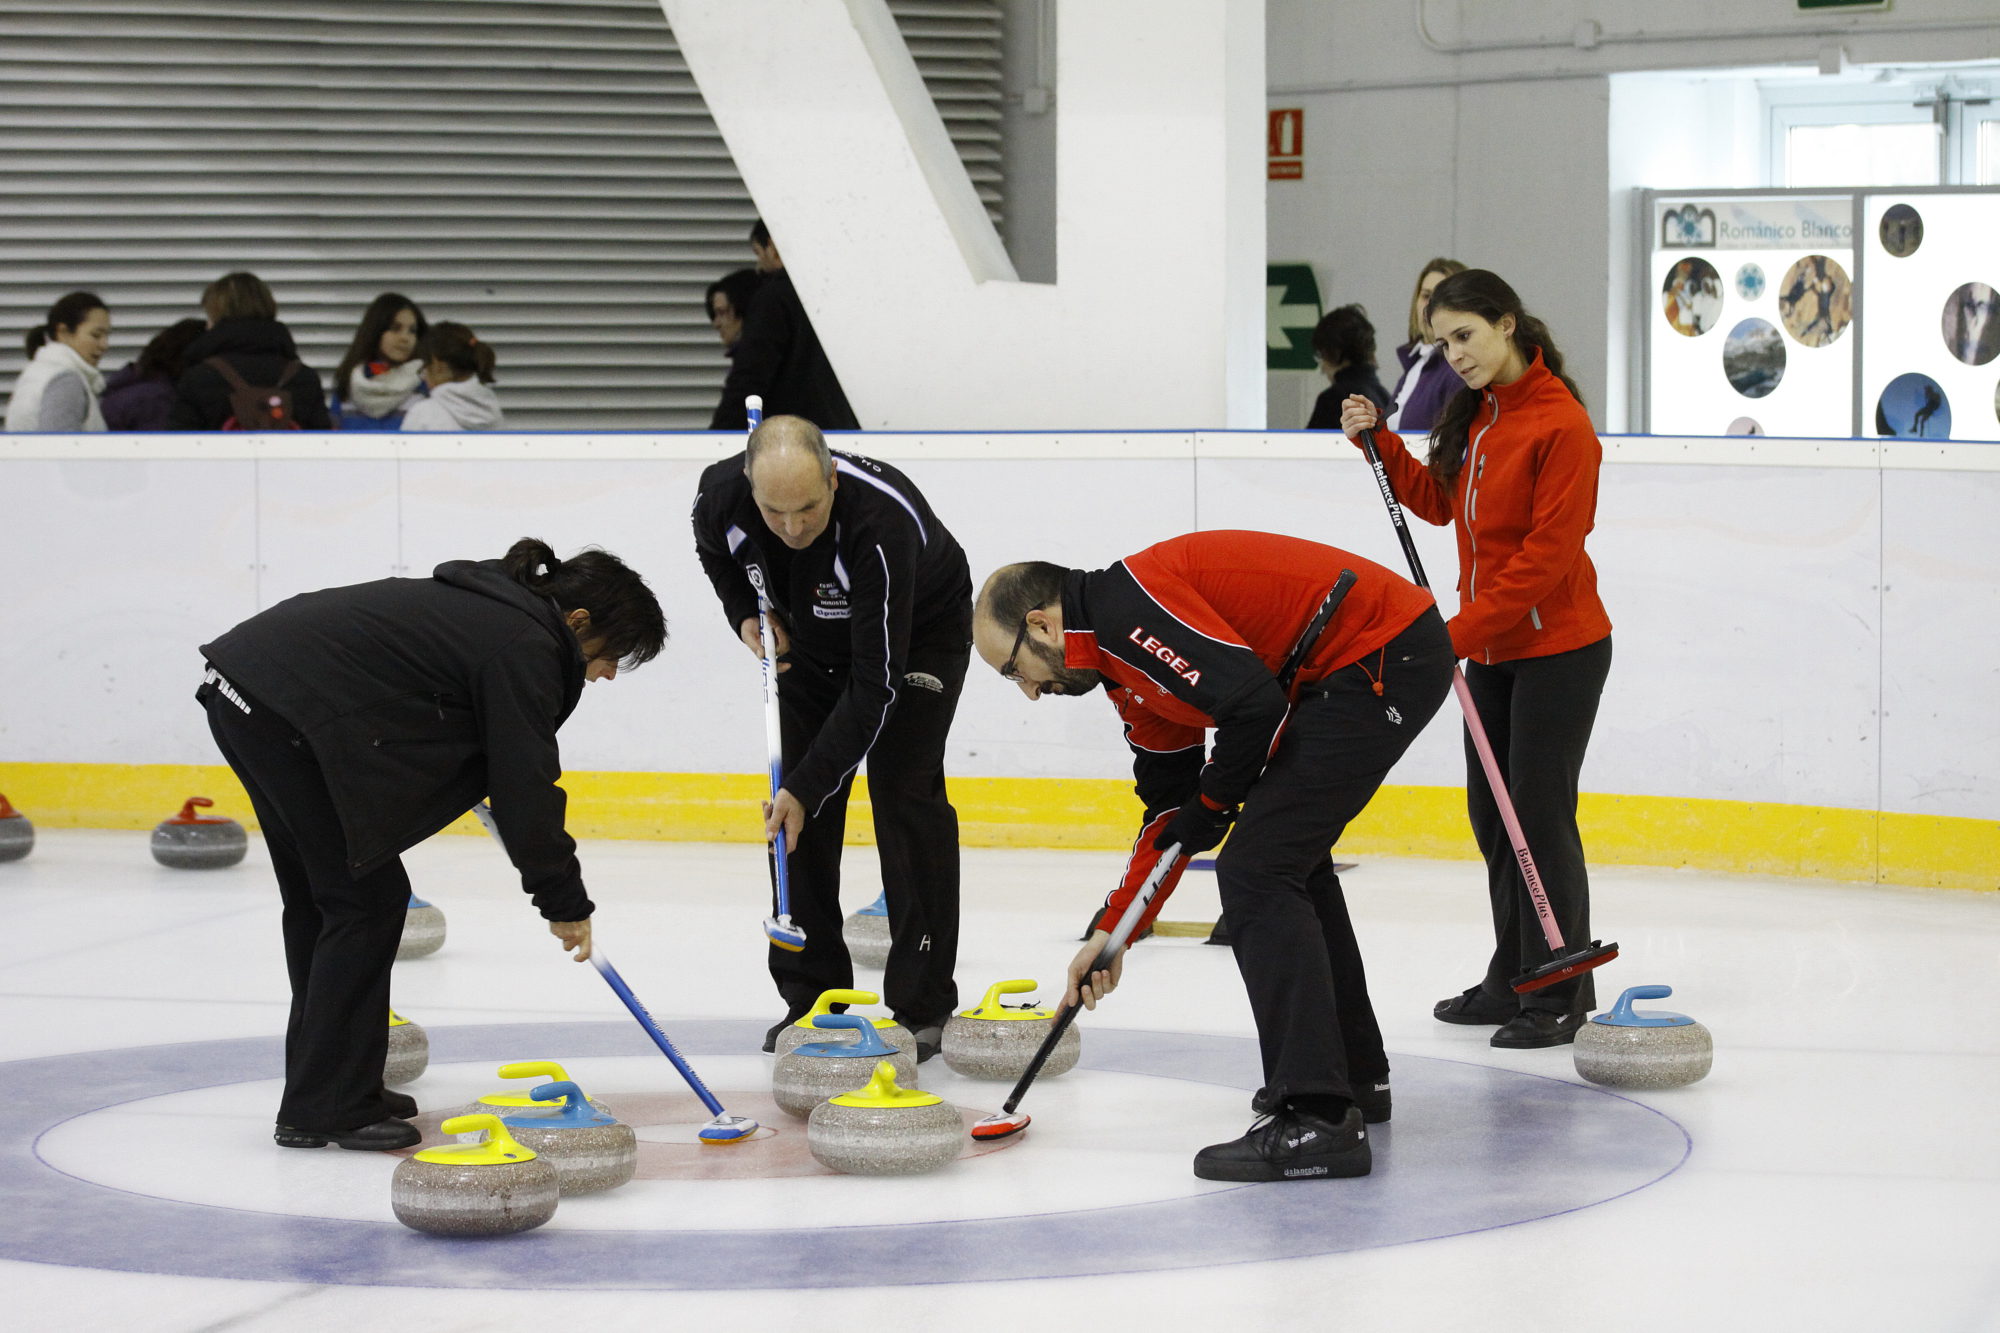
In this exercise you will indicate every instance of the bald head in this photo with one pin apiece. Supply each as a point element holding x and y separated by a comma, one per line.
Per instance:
<point>792,479</point>
<point>1017,629</point>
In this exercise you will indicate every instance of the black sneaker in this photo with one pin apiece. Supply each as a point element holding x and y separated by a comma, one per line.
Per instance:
<point>1532,1028</point>
<point>382,1136</point>
<point>1475,1007</point>
<point>1372,1096</point>
<point>1291,1145</point>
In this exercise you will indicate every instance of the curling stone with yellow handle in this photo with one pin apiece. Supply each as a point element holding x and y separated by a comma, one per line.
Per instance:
<point>194,841</point>
<point>589,1150</point>
<point>888,1029</point>
<point>423,930</point>
<point>409,1050</point>
<point>885,1130</point>
<point>807,1075</point>
<point>1625,1048</point>
<point>495,1187</point>
<point>505,1102</point>
<point>994,1040</point>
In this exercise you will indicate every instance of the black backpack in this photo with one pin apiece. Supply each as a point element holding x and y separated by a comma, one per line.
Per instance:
<point>257,407</point>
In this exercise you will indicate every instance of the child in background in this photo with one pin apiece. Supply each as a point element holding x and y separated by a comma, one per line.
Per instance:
<point>458,368</point>
<point>381,378</point>
<point>141,396</point>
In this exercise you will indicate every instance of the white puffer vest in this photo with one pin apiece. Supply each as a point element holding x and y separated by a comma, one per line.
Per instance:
<point>52,361</point>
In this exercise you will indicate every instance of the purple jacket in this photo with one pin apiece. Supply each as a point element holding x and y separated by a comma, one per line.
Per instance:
<point>1436,384</point>
<point>132,401</point>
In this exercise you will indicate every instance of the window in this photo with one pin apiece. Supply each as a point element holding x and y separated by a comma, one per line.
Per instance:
<point>1895,128</point>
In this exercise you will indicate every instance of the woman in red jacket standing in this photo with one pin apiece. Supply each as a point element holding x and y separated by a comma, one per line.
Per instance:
<point>1513,467</point>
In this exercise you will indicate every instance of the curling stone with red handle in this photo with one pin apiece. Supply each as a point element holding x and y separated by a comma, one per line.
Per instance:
<point>192,841</point>
<point>17,835</point>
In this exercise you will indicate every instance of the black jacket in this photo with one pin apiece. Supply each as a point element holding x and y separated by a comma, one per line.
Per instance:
<point>779,357</point>
<point>1347,382</point>
<point>258,349</point>
<point>420,697</point>
<point>883,576</point>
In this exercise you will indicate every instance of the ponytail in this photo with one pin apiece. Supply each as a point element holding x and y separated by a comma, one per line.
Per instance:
<point>68,313</point>
<point>457,346</point>
<point>1476,291</point>
<point>626,622</point>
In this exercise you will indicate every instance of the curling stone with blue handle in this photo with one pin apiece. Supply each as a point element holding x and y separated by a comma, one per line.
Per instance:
<point>505,1103</point>
<point>495,1187</point>
<point>885,1130</point>
<point>807,1075</point>
<point>589,1150</point>
<point>409,1051</point>
<point>993,1040</point>
<point>423,930</point>
<point>867,934</point>
<point>795,1035</point>
<point>17,835</point>
<point>191,841</point>
<point>1625,1048</point>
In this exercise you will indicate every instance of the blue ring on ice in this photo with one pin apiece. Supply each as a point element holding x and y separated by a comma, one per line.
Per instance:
<point>1471,1148</point>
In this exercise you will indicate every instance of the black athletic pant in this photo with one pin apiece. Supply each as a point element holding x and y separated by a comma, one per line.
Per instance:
<point>916,834</point>
<point>1538,713</point>
<point>340,931</point>
<point>1288,920</point>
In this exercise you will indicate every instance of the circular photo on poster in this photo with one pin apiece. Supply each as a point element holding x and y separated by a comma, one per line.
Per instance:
<point>1750,281</point>
<point>1971,323</point>
<point>1753,357</point>
<point>1691,297</point>
<point>1913,407</point>
<point>1816,301</point>
<point>1745,426</point>
<point>1902,230</point>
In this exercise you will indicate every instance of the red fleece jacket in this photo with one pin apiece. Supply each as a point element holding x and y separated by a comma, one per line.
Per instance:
<point>1522,504</point>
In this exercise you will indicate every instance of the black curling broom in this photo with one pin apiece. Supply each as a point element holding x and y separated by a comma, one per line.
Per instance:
<point>1007,1122</point>
<point>1565,962</point>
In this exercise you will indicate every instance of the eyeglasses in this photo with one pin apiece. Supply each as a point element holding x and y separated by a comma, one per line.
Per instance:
<point>1008,672</point>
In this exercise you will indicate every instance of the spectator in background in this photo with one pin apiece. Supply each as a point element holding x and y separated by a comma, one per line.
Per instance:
<point>1344,346</point>
<point>381,378</point>
<point>58,388</point>
<point>779,356</point>
<point>1428,381</point>
<point>141,395</point>
<point>727,302</point>
<point>458,368</point>
<point>244,340</point>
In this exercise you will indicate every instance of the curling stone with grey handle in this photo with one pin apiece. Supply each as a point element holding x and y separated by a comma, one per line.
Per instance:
<point>191,841</point>
<point>885,1130</point>
<point>17,835</point>
<point>1625,1048</point>
<point>495,1187</point>
<point>807,1075</point>
<point>409,1050</point>
<point>589,1150</point>
<point>795,1035</point>
<point>423,930</point>
<point>866,933</point>
<point>993,1040</point>
<point>506,1102</point>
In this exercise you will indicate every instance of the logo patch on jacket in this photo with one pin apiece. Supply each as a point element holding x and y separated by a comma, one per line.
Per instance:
<point>830,602</point>
<point>1177,664</point>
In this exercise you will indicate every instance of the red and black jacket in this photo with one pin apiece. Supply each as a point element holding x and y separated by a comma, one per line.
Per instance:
<point>1190,634</point>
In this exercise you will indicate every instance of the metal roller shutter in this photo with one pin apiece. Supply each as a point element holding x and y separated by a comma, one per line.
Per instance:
<point>544,171</point>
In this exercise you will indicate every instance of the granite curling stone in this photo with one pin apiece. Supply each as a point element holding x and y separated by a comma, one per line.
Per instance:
<point>506,1103</point>
<point>409,1051</point>
<point>17,835</point>
<point>423,930</point>
<point>589,1150</point>
<point>997,1041</point>
<point>885,1130</point>
<point>1625,1048</point>
<point>867,934</point>
<point>191,841</point>
<point>795,1035</point>
<point>494,1187</point>
<point>808,1075</point>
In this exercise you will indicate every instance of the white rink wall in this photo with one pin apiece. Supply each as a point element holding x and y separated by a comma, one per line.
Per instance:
<point>1805,622</point>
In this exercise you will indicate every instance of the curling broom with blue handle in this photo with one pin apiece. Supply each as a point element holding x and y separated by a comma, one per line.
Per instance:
<point>725,1128</point>
<point>778,929</point>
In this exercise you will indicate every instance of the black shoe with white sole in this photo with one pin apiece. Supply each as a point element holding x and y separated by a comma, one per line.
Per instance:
<point>382,1136</point>
<point>1533,1028</point>
<point>1291,1145</point>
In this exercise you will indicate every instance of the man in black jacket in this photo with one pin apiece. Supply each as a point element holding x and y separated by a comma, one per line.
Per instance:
<point>873,604</point>
<point>779,356</point>
<point>361,720</point>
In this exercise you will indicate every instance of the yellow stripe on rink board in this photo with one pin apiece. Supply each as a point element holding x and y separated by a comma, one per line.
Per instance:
<point>1736,836</point>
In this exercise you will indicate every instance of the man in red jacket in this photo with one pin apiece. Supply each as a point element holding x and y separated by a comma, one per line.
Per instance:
<point>1224,630</point>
